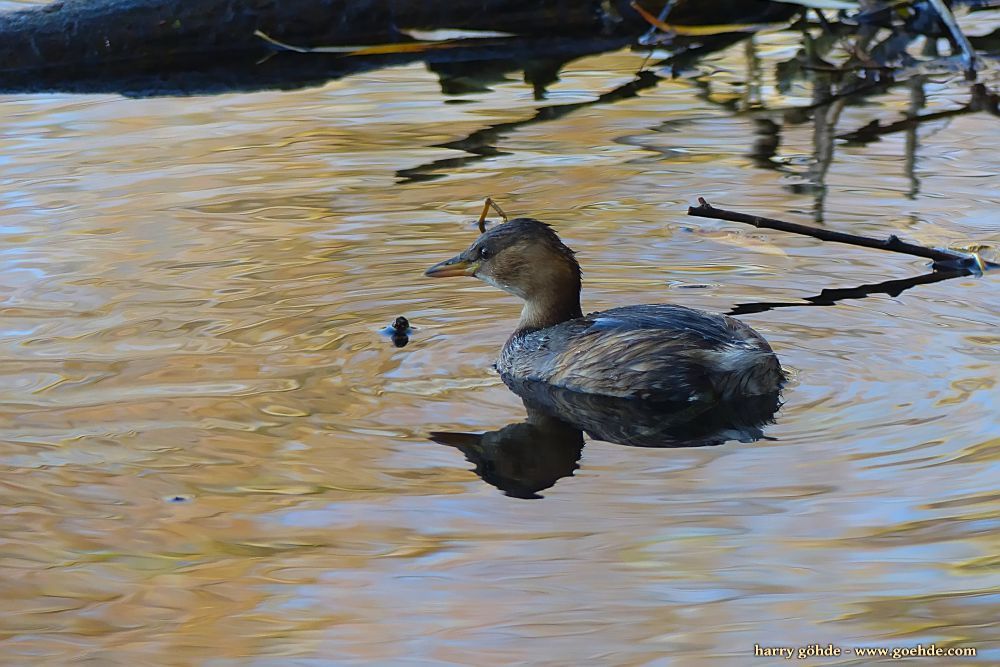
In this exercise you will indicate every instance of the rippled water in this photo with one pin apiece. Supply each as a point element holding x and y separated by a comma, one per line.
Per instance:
<point>211,456</point>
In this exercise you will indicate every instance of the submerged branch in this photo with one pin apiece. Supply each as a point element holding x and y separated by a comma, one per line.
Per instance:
<point>944,260</point>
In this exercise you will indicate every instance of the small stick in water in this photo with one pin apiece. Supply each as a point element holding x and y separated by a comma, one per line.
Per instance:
<point>943,259</point>
<point>487,205</point>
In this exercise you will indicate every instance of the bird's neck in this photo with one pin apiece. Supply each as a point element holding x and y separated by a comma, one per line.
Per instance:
<point>557,304</point>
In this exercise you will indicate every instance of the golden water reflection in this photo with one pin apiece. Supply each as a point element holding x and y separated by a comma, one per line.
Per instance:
<point>212,456</point>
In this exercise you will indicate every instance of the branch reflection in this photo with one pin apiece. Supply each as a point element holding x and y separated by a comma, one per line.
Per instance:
<point>832,296</point>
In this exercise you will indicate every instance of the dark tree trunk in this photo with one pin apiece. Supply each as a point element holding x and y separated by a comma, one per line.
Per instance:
<point>153,47</point>
<point>100,31</point>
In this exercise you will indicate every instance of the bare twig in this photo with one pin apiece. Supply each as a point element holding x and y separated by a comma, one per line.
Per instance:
<point>487,205</point>
<point>944,260</point>
<point>365,50</point>
<point>697,30</point>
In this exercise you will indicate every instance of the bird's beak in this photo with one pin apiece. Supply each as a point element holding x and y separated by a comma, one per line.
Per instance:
<point>456,266</point>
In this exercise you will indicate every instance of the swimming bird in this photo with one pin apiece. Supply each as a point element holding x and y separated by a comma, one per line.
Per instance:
<point>650,352</point>
<point>399,331</point>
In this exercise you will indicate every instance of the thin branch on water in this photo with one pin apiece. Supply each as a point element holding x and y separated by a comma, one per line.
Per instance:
<point>944,260</point>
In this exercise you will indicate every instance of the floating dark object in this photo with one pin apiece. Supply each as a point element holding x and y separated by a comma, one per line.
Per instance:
<point>399,331</point>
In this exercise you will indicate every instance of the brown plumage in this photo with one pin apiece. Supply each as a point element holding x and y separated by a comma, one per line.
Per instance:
<point>658,352</point>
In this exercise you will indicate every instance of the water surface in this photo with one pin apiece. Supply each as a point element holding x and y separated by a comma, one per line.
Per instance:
<point>211,456</point>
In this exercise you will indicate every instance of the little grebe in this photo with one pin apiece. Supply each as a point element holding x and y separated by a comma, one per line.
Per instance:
<point>657,352</point>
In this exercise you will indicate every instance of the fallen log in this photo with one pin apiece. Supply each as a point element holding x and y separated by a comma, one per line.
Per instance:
<point>200,74</point>
<point>100,31</point>
<point>69,34</point>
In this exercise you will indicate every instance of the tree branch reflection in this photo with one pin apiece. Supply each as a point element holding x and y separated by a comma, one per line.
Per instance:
<point>830,297</point>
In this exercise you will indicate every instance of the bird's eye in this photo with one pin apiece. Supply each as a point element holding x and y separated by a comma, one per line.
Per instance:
<point>484,253</point>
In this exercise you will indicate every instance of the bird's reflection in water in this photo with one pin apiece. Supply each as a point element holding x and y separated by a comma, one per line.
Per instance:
<point>526,457</point>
